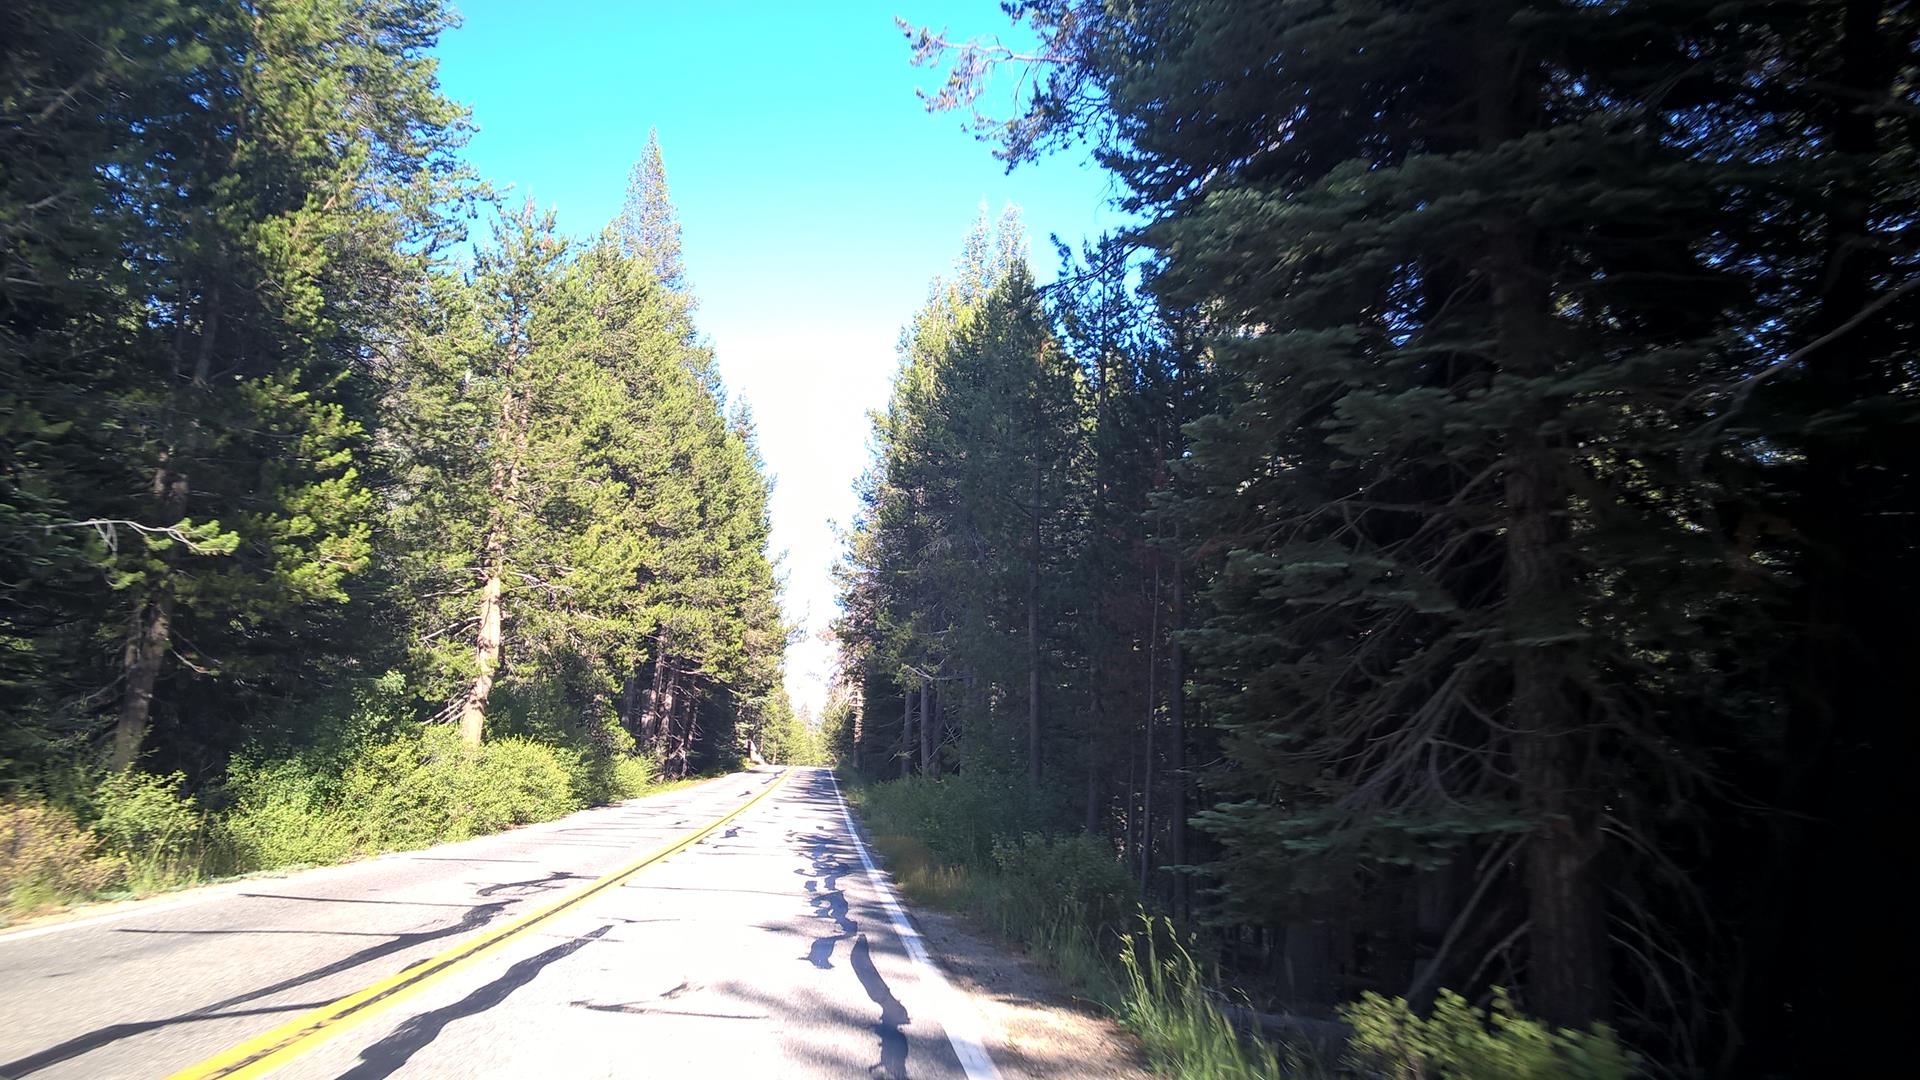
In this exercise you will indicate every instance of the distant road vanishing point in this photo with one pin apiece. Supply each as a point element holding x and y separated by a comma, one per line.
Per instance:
<point>731,929</point>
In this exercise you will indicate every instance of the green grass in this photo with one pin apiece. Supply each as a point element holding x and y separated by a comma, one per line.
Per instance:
<point>958,845</point>
<point>136,834</point>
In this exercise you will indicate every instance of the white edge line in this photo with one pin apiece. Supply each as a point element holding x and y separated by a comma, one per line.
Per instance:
<point>958,1018</point>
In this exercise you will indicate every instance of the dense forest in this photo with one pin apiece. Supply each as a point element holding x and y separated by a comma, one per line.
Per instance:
<point>1458,537</point>
<point>298,478</point>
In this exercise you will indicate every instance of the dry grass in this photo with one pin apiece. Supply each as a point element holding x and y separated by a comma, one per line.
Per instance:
<point>47,861</point>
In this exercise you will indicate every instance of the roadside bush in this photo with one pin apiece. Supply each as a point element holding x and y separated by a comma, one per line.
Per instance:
<point>146,819</point>
<point>284,813</point>
<point>412,792</point>
<point>158,829</point>
<point>402,793</point>
<point>47,859</point>
<point>633,775</point>
<point>513,782</point>
<point>958,843</point>
<point>601,777</point>
<point>1463,1042</point>
<point>1062,874</point>
<point>959,818</point>
<point>433,788</point>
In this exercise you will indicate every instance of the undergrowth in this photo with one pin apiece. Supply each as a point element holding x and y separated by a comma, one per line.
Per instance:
<point>133,832</point>
<point>964,844</point>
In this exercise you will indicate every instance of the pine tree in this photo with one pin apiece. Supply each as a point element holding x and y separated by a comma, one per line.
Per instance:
<point>249,198</point>
<point>1503,299</point>
<point>957,569</point>
<point>591,527</point>
<point>649,226</point>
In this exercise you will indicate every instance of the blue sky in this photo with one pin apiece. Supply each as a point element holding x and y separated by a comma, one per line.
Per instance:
<point>817,196</point>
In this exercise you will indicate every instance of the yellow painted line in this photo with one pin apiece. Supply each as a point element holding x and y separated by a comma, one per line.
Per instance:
<point>264,1053</point>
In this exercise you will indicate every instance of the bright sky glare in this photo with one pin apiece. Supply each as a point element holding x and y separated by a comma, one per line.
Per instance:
<point>817,198</point>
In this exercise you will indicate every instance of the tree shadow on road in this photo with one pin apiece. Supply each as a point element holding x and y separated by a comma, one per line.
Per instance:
<point>387,1055</point>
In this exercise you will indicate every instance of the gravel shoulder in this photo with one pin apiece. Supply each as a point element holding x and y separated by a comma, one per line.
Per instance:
<point>1034,1026</point>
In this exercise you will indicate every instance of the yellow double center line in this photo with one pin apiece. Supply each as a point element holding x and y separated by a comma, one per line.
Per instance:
<point>261,1054</point>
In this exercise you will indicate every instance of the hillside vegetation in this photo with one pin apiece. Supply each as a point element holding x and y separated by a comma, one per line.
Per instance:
<point>328,521</point>
<point>1457,536</point>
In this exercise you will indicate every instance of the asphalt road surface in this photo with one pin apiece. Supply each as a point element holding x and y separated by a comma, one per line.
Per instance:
<point>765,949</point>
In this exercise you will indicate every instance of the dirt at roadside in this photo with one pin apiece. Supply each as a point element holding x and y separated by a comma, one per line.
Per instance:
<point>1033,1027</point>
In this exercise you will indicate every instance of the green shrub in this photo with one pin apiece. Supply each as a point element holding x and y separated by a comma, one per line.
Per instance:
<point>284,813</point>
<point>308,809</point>
<point>430,789</point>
<point>513,782</point>
<point>1463,1042</point>
<point>159,832</point>
<point>413,792</point>
<point>1068,874</point>
<point>633,776</point>
<point>960,843</point>
<point>959,818</point>
<point>47,859</point>
<point>601,777</point>
<point>401,794</point>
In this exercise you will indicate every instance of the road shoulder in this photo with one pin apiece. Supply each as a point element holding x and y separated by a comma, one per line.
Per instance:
<point>1033,1026</point>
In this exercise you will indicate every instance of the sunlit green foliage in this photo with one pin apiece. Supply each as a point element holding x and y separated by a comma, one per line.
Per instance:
<point>264,444</point>
<point>1460,1041</point>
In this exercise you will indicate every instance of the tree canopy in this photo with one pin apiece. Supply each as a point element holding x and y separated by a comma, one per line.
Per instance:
<point>1474,532</point>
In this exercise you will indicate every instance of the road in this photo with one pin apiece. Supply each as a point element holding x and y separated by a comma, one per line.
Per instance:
<point>765,949</point>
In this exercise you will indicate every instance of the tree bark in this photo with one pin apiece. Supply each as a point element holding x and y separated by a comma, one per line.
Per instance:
<point>653,720</point>
<point>147,644</point>
<point>1566,972</point>
<point>630,703</point>
<point>1146,755</point>
<point>486,649</point>
<point>150,633</point>
<point>1033,635</point>
<point>927,767</point>
<point>906,731</point>
<point>1177,737</point>
<point>149,636</point>
<point>1092,826</point>
<point>504,490</point>
<point>1843,764</point>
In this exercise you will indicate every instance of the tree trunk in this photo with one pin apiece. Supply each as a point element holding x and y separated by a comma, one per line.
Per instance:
<point>653,720</point>
<point>149,635</point>
<point>906,731</point>
<point>1306,966</point>
<point>504,490</point>
<point>927,767</point>
<point>1093,746</point>
<point>1842,762</point>
<point>1177,738</point>
<point>1033,637</point>
<point>1567,983</point>
<point>1567,970</point>
<point>679,733</point>
<point>486,651</point>
<point>1146,755</point>
<point>147,643</point>
<point>630,703</point>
